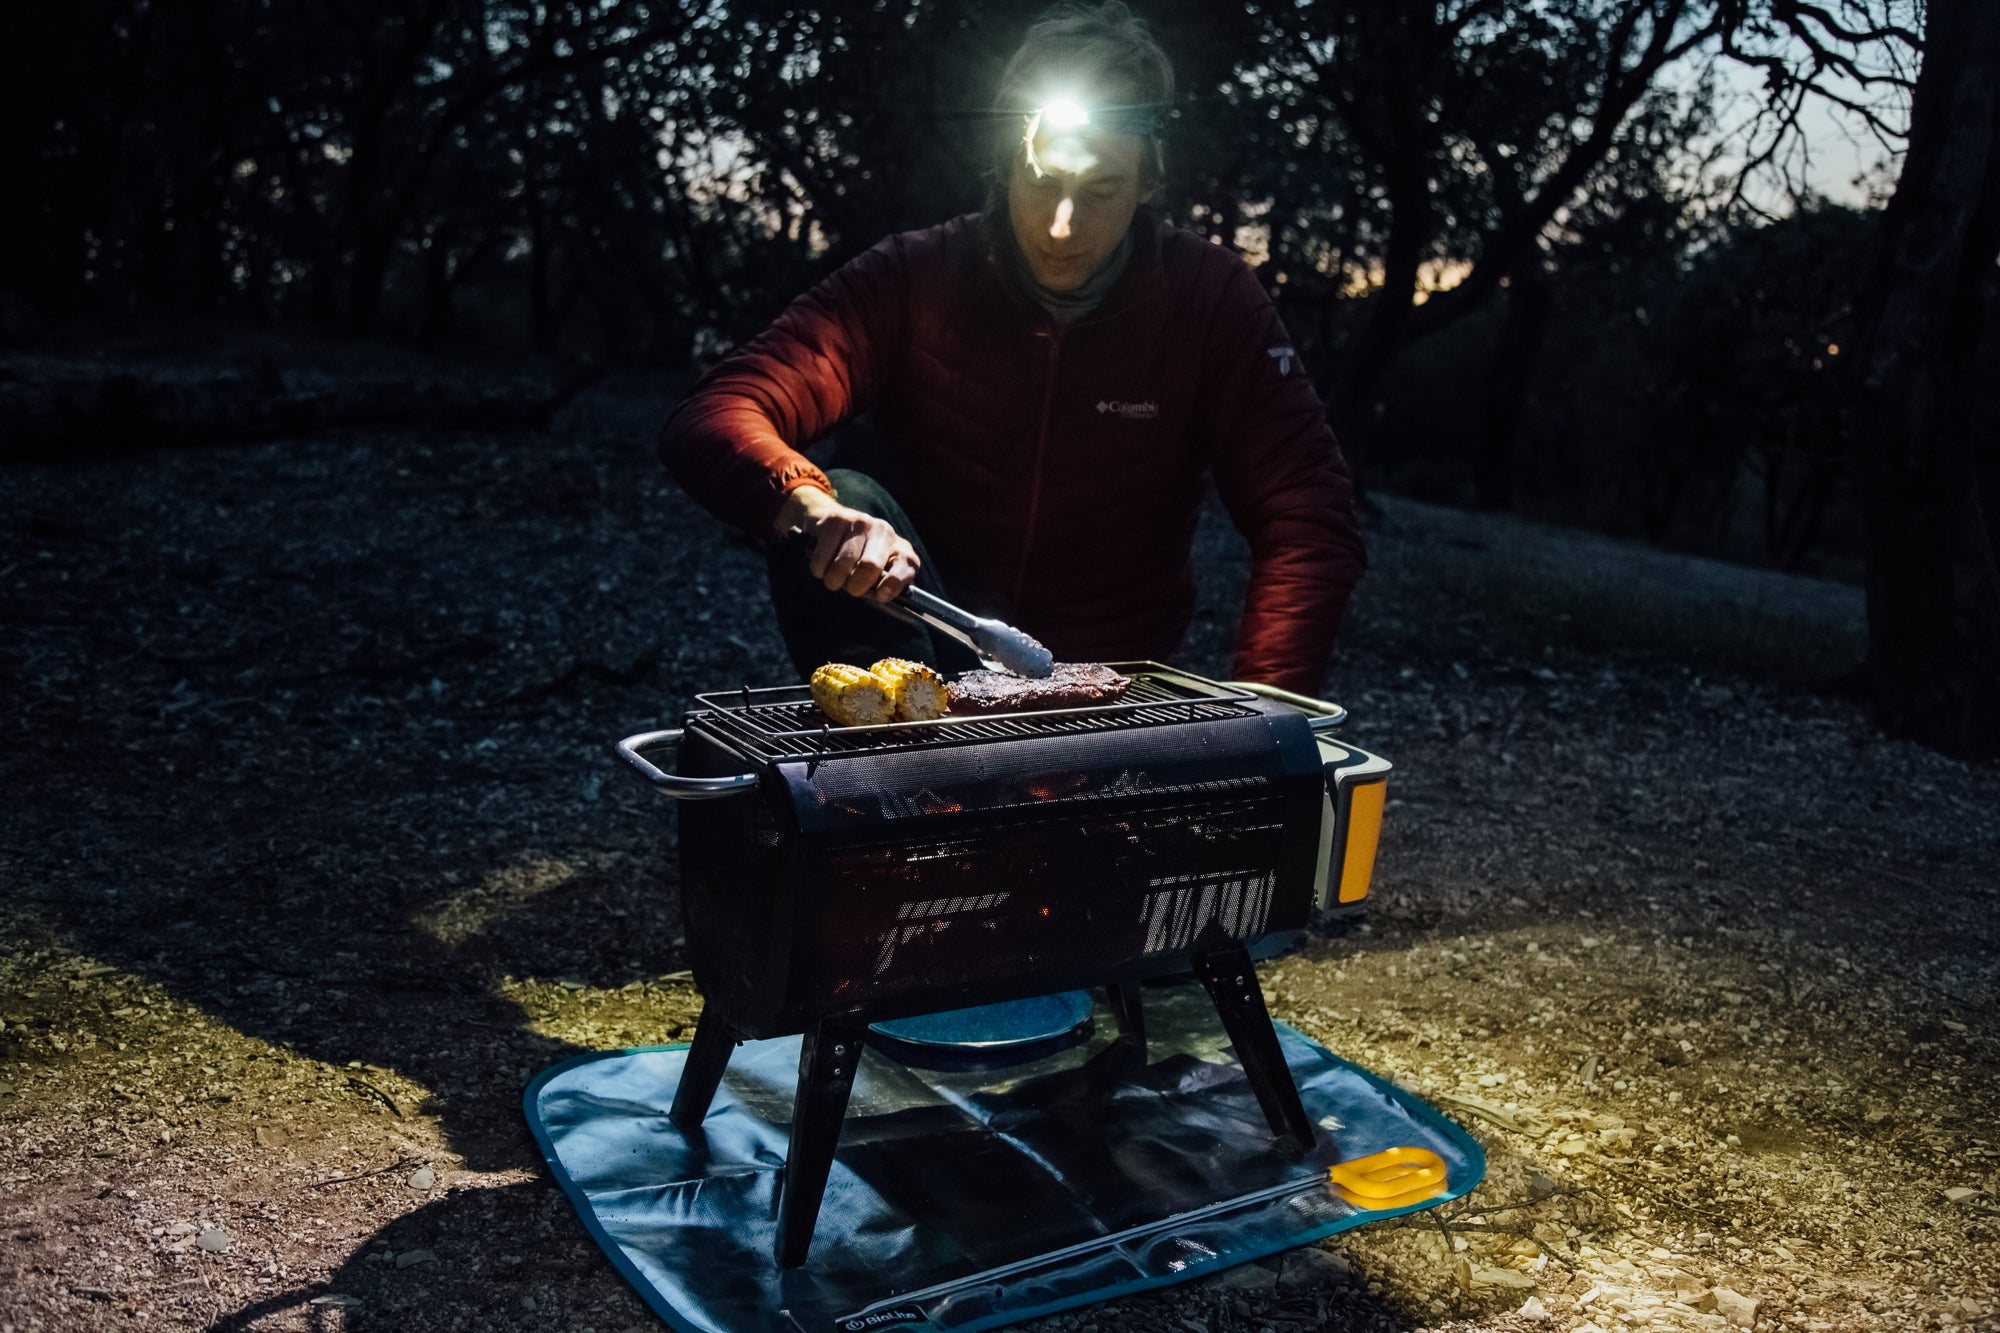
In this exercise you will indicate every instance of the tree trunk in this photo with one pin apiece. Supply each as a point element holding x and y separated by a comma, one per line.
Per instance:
<point>437,287</point>
<point>1927,451</point>
<point>1357,405</point>
<point>446,278</point>
<point>369,274</point>
<point>541,299</point>
<point>1530,297</point>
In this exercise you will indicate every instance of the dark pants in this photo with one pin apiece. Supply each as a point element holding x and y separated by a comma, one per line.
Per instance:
<point>821,626</point>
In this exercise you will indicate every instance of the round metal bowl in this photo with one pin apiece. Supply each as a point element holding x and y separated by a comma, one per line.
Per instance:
<point>987,1036</point>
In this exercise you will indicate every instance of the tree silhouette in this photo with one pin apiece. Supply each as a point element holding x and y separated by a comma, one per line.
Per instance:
<point>1924,402</point>
<point>1431,190</point>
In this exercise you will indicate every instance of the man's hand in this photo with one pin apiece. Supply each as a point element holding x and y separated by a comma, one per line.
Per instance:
<point>853,552</point>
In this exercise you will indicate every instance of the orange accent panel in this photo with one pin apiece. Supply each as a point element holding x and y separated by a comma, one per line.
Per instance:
<point>1364,831</point>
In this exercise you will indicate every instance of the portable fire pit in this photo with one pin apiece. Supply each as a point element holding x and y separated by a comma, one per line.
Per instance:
<point>833,877</point>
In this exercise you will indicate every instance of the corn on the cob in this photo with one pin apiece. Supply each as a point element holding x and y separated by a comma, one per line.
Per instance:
<point>850,696</point>
<point>916,692</point>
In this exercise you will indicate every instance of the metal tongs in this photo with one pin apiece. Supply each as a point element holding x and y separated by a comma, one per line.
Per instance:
<point>998,645</point>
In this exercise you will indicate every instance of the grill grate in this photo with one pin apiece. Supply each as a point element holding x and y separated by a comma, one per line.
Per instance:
<point>781,724</point>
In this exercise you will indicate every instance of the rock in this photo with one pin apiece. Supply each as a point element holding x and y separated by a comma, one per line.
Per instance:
<point>270,1136</point>
<point>1532,1308</point>
<point>1248,1278</point>
<point>213,1239</point>
<point>340,1299</point>
<point>411,1258</point>
<point>1738,1309</point>
<point>421,1179</point>
<point>1517,1122</point>
<point>1691,1291</point>
<point>1960,1193</point>
<point>1312,1267</point>
<point>1501,1279</point>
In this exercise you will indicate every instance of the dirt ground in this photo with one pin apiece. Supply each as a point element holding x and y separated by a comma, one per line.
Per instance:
<point>314,850</point>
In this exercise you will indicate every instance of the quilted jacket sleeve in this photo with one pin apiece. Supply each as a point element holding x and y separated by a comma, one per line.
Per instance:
<point>733,443</point>
<point>1287,488</point>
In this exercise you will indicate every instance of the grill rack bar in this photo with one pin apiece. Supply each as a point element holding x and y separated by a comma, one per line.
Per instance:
<point>765,724</point>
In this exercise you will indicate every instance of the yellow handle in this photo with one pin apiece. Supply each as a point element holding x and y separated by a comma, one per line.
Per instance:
<point>1391,1178</point>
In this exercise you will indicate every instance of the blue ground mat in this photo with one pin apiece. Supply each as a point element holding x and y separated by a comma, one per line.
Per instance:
<point>975,1199</point>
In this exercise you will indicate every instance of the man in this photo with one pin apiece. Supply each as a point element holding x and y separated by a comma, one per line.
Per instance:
<point>1052,381</point>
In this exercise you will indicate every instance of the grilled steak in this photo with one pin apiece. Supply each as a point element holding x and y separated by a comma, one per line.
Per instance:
<point>1070,685</point>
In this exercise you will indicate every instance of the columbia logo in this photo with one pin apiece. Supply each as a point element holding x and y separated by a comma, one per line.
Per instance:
<point>1130,411</point>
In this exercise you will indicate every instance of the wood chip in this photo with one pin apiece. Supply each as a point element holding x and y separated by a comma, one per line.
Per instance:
<point>1514,1122</point>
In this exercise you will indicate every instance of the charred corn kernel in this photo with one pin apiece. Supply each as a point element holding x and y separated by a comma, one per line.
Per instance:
<point>850,696</point>
<point>916,692</point>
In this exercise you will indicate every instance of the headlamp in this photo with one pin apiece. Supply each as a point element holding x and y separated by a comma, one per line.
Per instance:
<point>1059,124</point>
<point>1064,112</point>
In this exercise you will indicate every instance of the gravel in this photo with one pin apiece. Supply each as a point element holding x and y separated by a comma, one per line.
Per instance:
<point>316,851</point>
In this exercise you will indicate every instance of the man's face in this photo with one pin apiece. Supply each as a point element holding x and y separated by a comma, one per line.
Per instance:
<point>1067,223</point>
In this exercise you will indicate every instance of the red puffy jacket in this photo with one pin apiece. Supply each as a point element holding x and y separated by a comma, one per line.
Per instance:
<point>1054,473</point>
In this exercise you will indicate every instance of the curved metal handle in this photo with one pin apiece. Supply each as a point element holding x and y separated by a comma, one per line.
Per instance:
<point>673,784</point>
<point>1325,715</point>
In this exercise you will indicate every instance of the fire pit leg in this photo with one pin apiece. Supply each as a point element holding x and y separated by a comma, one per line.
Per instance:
<point>708,1055</point>
<point>1129,1011</point>
<point>828,1054</point>
<point>1232,983</point>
